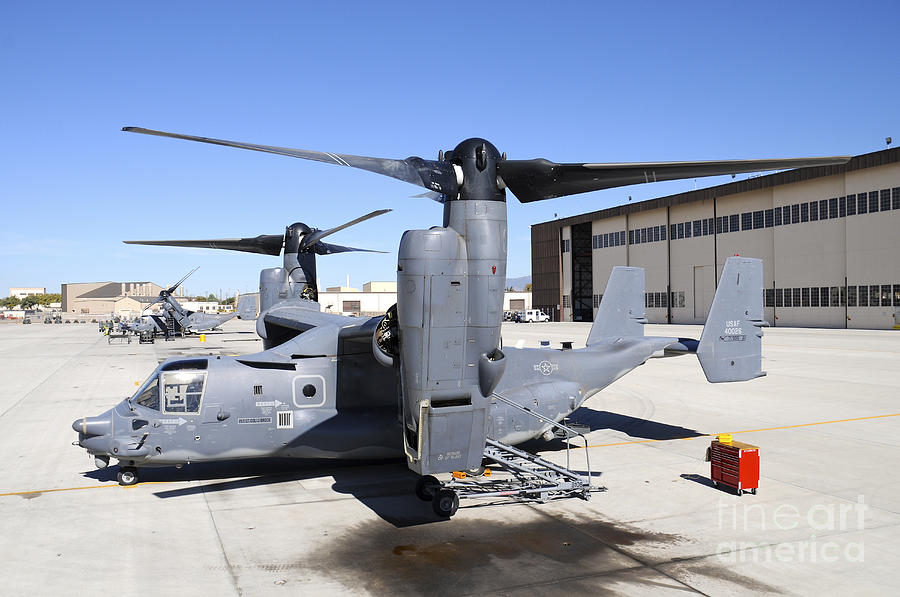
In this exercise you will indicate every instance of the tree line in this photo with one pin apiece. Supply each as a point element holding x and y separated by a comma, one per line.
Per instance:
<point>11,302</point>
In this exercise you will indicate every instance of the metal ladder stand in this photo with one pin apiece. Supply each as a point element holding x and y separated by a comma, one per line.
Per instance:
<point>532,479</point>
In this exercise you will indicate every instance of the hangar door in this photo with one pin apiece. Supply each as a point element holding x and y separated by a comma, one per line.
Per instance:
<point>704,290</point>
<point>517,304</point>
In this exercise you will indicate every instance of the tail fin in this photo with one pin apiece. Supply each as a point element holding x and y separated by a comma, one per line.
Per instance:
<point>621,312</point>
<point>248,306</point>
<point>730,348</point>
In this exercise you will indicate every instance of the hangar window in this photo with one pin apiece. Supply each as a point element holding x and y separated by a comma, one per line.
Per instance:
<point>896,197</point>
<point>656,233</point>
<point>705,227</point>
<point>843,290</point>
<point>851,205</point>
<point>897,295</point>
<point>631,237</point>
<point>698,228</point>
<point>673,231</point>
<point>734,223</point>
<point>183,391</point>
<point>566,302</point>
<point>886,295</point>
<point>874,295</point>
<point>596,301</point>
<point>687,230</point>
<point>885,199</point>
<point>842,207</point>
<point>769,218</point>
<point>862,207</point>
<point>796,293</point>
<point>757,220</point>
<point>873,201</point>
<point>813,297</point>
<point>778,216</point>
<point>643,235</point>
<point>746,221</point>
<point>804,212</point>
<point>662,233</point>
<point>836,297</point>
<point>788,298</point>
<point>804,296</point>
<point>779,297</point>
<point>813,211</point>
<point>851,296</point>
<point>832,208</point>
<point>681,230</point>
<point>770,297</point>
<point>863,296</point>
<point>825,297</point>
<point>565,245</point>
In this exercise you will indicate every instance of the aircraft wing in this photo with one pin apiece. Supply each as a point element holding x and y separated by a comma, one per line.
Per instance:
<point>301,319</point>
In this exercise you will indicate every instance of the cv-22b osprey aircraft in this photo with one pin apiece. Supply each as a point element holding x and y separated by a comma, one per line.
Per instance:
<point>187,321</point>
<point>282,290</point>
<point>435,364</point>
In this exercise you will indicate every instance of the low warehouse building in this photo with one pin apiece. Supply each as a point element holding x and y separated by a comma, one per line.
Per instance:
<point>828,238</point>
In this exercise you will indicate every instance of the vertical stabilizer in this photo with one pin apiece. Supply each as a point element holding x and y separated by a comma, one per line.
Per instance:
<point>730,348</point>
<point>621,312</point>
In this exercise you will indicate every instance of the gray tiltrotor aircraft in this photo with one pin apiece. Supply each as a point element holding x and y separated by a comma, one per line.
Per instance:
<point>324,393</point>
<point>282,290</point>
<point>188,321</point>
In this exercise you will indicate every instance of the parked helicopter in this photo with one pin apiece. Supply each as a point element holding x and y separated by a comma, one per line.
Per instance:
<point>281,289</point>
<point>186,321</point>
<point>321,393</point>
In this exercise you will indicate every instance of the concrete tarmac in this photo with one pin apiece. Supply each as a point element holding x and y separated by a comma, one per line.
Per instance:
<point>826,519</point>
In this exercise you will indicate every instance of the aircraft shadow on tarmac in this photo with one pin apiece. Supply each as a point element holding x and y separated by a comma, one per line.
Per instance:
<point>597,420</point>
<point>386,488</point>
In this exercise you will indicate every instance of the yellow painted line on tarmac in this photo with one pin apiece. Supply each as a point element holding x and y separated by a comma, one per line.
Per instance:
<point>34,491</point>
<point>647,441</point>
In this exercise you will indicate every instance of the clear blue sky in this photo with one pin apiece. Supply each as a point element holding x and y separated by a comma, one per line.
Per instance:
<point>568,81</point>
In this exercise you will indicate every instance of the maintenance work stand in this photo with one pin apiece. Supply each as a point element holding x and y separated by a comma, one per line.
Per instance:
<point>523,477</point>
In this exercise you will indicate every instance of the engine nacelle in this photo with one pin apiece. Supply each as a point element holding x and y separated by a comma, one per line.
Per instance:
<point>448,320</point>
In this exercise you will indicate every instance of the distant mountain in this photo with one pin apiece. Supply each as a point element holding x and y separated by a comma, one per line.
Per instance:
<point>518,283</point>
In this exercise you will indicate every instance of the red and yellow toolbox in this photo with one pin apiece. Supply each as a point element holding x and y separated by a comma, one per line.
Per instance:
<point>734,464</point>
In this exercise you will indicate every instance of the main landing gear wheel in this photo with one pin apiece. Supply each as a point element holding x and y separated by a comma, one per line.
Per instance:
<point>475,472</point>
<point>127,475</point>
<point>427,487</point>
<point>445,503</point>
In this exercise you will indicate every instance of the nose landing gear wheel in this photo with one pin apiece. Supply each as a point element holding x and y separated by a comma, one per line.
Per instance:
<point>445,503</point>
<point>127,476</point>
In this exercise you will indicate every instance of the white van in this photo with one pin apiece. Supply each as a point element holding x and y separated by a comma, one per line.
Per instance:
<point>533,316</point>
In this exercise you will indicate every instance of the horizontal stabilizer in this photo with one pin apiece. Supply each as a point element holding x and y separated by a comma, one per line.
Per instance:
<point>248,306</point>
<point>621,313</point>
<point>730,348</point>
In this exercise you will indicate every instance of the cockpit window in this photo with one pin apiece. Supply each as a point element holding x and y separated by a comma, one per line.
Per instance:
<point>148,395</point>
<point>183,391</point>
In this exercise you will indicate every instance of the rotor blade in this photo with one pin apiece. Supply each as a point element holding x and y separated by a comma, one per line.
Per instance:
<point>172,289</point>
<point>329,249</point>
<point>436,176</point>
<point>539,179</point>
<point>265,244</point>
<point>439,197</point>
<point>317,235</point>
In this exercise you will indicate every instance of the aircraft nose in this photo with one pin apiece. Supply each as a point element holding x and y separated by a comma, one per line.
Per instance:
<point>92,425</point>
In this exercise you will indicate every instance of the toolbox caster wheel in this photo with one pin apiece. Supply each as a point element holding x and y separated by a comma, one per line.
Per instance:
<point>426,487</point>
<point>753,491</point>
<point>445,503</point>
<point>127,476</point>
<point>740,492</point>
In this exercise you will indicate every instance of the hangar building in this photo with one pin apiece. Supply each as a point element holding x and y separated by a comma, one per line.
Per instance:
<point>122,298</point>
<point>829,238</point>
